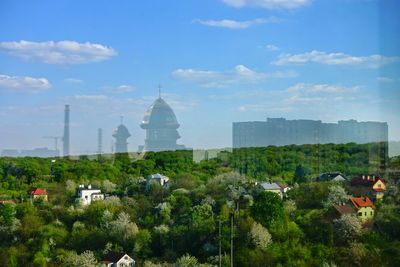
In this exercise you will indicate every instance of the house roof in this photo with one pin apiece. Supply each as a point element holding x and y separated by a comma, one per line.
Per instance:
<point>87,187</point>
<point>37,191</point>
<point>360,202</point>
<point>270,186</point>
<point>113,257</point>
<point>328,176</point>
<point>157,176</point>
<point>365,181</point>
<point>344,209</point>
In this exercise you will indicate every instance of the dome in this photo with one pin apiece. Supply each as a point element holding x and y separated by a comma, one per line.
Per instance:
<point>159,115</point>
<point>121,132</point>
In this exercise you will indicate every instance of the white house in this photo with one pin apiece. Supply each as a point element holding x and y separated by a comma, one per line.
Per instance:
<point>159,179</point>
<point>272,187</point>
<point>87,194</point>
<point>115,259</point>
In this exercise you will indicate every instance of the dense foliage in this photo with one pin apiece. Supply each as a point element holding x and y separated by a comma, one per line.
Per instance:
<point>184,224</point>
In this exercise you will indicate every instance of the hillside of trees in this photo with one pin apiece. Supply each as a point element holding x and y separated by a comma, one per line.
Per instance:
<point>185,224</point>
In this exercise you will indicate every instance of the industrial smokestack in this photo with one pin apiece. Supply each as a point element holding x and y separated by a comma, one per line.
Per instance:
<point>66,131</point>
<point>100,142</point>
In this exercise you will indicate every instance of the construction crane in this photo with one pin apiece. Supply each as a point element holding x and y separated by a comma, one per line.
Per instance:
<point>55,138</point>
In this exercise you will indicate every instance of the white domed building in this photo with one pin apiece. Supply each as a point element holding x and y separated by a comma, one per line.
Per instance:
<point>161,126</point>
<point>121,135</point>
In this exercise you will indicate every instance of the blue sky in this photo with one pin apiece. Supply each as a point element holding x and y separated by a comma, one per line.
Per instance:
<point>218,61</point>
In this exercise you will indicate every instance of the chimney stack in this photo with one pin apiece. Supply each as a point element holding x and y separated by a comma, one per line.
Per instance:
<point>66,132</point>
<point>100,141</point>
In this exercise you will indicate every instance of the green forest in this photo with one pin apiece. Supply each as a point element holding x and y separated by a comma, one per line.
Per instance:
<point>211,208</point>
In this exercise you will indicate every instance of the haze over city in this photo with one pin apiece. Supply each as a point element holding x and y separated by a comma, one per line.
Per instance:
<point>218,62</point>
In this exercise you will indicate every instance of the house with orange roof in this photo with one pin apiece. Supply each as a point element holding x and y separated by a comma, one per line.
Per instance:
<point>365,208</point>
<point>38,193</point>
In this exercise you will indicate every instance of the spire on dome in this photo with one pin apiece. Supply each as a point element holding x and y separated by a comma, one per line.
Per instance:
<point>159,90</point>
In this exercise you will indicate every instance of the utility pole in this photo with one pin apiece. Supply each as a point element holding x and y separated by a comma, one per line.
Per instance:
<point>232,238</point>
<point>219,239</point>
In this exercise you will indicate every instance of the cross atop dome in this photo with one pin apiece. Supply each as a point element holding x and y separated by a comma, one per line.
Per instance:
<point>159,90</point>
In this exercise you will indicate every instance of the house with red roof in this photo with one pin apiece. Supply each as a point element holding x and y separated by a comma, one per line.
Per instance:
<point>374,186</point>
<point>365,208</point>
<point>38,193</point>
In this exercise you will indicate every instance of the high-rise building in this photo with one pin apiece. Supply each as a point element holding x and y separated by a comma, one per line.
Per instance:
<point>121,135</point>
<point>161,126</point>
<point>280,132</point>
<point>66,131</point>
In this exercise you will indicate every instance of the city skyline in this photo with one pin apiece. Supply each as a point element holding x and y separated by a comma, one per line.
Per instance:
<point>219,62</point>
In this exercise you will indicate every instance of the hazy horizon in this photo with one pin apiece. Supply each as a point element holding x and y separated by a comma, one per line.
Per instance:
<point>218,62</point>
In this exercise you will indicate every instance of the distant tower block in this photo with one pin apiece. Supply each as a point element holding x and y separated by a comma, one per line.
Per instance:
<point>161,126</point>
<point>121,135</point>
<point>100,141</point>
<point>66,131</point>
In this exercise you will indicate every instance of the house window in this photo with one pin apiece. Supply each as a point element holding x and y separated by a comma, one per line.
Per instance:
<point>365,213</point>
<point>371,212</point>
<point>360,214</point>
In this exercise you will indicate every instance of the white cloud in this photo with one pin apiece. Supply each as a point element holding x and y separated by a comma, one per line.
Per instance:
<point>23,84</point>
<point>234,24</point>
<point>73,80</point>
<point>268,4</point>
<point>62,52</point>
<point>240,74</point>
<point>119,89</point>
<point>321,88</point>
<point>272,47</point>
<point>320,93</point>
<point>372,61</point>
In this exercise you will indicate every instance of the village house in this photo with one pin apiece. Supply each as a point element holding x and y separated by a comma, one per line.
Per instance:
<point>370,185</point>
<point>331,177</point>
<point>115,259</point>
<point>272,187</point>
<point>89,193</point>
<point>159,179</point>
<point>364,207</point>
<point>343,209</point>
<point>38,193</point>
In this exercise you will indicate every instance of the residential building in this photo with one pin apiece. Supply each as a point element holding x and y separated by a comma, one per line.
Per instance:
<point>272,187</point>
<point>331,177</point>
<point>344,209</point>
<point>364,207</point>
<point>373,186</point>
<point>89,193</point>
<point>157,178</point>
<point>116,259</point>
<point>38,193</point>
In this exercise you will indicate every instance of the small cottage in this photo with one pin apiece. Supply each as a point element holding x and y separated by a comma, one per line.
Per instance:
<point>157,178</point>
<point>116,259</point>
<point>89,193</point>
<point>364,207</point>
<point>272,187</point>
<point>38,193</point>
